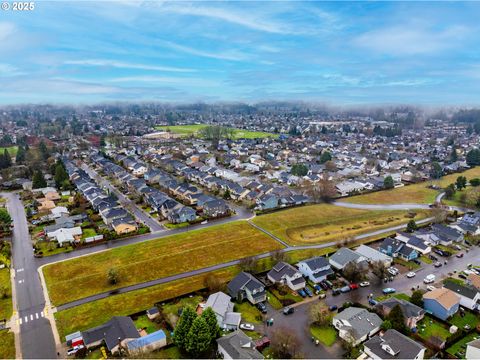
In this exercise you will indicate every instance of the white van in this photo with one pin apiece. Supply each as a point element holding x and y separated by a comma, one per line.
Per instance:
<point>429,279</point>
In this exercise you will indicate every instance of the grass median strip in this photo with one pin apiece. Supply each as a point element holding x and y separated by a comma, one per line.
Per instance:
<point>7,345</point>
<point>5,302</point>
<point>81,277</point>
<point>324,222</point>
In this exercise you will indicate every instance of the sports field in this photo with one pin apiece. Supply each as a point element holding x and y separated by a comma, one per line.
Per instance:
<point>84,276</point>
<point>412,194</point>
<point>12,150</point>
<point>192,130</point>
<point>325,222</point>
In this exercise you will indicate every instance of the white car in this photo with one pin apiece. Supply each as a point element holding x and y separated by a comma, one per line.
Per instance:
<point>364,284</point>
<point>247,326</point>
<point>410,274</point>
<point>431,287</point>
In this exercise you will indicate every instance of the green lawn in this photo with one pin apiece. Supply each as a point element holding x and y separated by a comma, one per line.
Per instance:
<point>154,259</point>
<point>415,193</point>
<point>398,296</point>
<point>469,319</point>
<point>426,259</point>
<point>408,264</point>
<point>171,352</point>
<point>273,301</point>
<point>432,328</point>
<point>327,334</point>
<point>325,222</point>
<point>192,130</point>
<point>12,150</point>
<point>460,345</point>
<point>171,309</point>
<point>49,250</point>
<point>6,307</point>
<point>143,322</point>
<point>7,345</point>
<point>88,232</point>
<point>288,296</point>
<point>249,312</point>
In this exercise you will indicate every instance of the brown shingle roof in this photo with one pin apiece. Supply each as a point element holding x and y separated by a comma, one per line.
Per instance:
<point>447,298</point>
<point>474,280</point>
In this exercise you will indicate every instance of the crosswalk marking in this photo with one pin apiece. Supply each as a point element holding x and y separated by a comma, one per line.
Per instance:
<point>32,317</point>
<point>26,318</point>
<point>41,314</point>
<point>36,315</point>
<point>21,281</point>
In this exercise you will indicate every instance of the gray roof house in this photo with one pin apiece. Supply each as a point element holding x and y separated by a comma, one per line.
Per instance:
<point>355,325</point>
<point>246,286</point>
<point>411,312</point>
<point>469,295</point>
<point>316,269</point>
<point>393,345</point>
<point>286,274</point>
<point>343,256</point>
<point>114,333</point>
<point>223,308</point>
<point>373,255</point>
<point>237,345</point>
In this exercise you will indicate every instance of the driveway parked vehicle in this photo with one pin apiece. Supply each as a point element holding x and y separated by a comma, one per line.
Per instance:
<point>345,289</point>
<point>247,326</point>
<point>288,310</point>
<point>364,284</point>
<point>411,274</point>
<point>353,286</point>
<point>262,307</point>
<point>302,293</point>
<point>333,307</point>
<point>308,291</point>
<point>388,290</point>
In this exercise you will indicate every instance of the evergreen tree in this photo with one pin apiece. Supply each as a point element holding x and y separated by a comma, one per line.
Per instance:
<point>211,319</point>
<point>326,156</point>
<point>461,182</point>
<point>450,191</point>
<point>473,157</point>
<point>7,157</point>
<point>21,155</point>
<point>198,338</point>
<point>183,327</point>
<point>397,319</point>
<point>60,174</point>
<point>436,171</point>
<point>38,180</point>
<point>44,150</point>
<point>417,298</point>
<point>388,182</point>
<point>411,226</point>
<point>453,155</point>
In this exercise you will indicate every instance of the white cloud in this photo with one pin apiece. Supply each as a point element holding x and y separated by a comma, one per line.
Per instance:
<point>124,65</point>
<point>232,55</point>
<point>9,70</point>
<point>410,40</point>
<point>6,30</point>
<point>189,81</point>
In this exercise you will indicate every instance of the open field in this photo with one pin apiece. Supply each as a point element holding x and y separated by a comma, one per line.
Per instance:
<point>325,222</point>
<point>411,194</point>
<point>6,304</point>
<point>190,130</point>
<point>77,278</point>
<point>95,313</point>
<point>326,334</point>
<point>7,345</point>
<point>12,150</point>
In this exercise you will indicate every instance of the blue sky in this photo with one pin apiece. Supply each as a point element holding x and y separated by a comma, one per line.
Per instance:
<point>330,52</point>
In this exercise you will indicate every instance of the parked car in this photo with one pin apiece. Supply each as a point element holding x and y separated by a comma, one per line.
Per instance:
<point>392,272</point>
<point>372,302</point>
<point>262,343</point>
<point>430,288</point>
<point>411,274</point>
<point>388,290</point>
<point>335,292</point>
<point>353,286</point>
<point>345,289</point>
<point>429,279</point>
<point>458,247</point>
<point>416,261</point>
<point>302,293</point>
<point>462,276</point>
<point>364,284</point>
<point>437,264</point>
<point>459,255</point>
<point>322,296</point>
<point>323,285</point>
<point>288,310</point>
<point>333,307</point>
<point>308,291</point>
<point>247,326</point>
<point>262,307</point>
<point>329,283</point>
<point>434,258</point>
<point>317,288</point>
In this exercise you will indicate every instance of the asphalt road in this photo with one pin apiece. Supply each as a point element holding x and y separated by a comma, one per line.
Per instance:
<point>36,337</point>
<point>381,206</point>
<point>129,205</point>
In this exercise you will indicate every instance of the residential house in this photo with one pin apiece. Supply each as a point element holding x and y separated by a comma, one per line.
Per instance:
<point>373,255</point>
<point>473,350</point>
<point>246,286</point>
<point>355,324</point>
<point>469,295</point>
<point>114,334</point>
<point>474,280</point>
<point>59,211</point>
<point>124,225</point>
<point>285,274</point>
<point>223,308</point>
<point>344,256</point>
<point>215,208</point>
<point>411,312</point>
<point>267,202</point>
<point>237,345</point>
<point>447,234</point>
<point>181,215</point>
<point>393,345</point>
<point>45,205</point>
<point>316,269</point>
<point>65,235</point>
<point>441,303</point>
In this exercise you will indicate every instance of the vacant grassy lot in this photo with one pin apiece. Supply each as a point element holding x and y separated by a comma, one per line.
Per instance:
<point>12,150</point>
<point>326,334</point>
<point>81,277</point>
<point>324,222</point>
<point>95,313</point>
<point>7,345</point>
<point>411,194</point>
<point>6,304</point>
<point>432,328</point>
<point>189,130</point>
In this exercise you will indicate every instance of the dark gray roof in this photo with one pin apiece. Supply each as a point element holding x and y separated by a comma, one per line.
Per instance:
<point>402,346</point>
<point>361,321</point>
<point>408,309</point>
<point>282,269</point>
<point>344,255</point>
<point>316,262</point>
<point>118,328</point>
<point>469,292</point>
<point>239,346</point>
<point>243,281</point>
